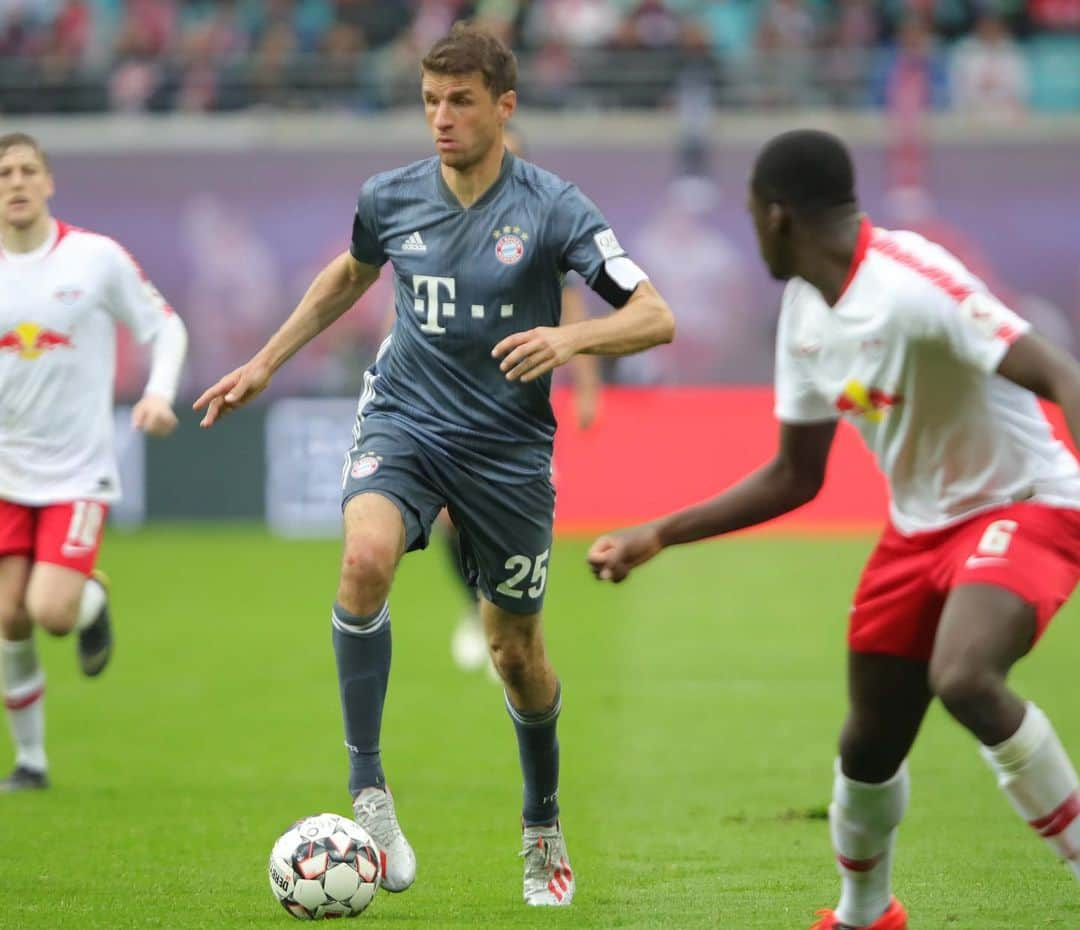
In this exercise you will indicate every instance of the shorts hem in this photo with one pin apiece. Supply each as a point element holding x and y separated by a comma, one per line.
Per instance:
<point>404,510</point>
<point>85,572</point>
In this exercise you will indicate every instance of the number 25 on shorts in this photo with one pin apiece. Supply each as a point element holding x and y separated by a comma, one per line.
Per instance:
<point>523,570</point>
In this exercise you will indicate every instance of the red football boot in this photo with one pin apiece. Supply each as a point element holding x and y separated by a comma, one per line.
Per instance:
<point>895,918</point>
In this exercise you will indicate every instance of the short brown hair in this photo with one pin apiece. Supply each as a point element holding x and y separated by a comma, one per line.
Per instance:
<point>469,49</point>
<point>12,139</point>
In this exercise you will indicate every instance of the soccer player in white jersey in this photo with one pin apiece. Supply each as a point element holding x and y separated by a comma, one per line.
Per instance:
<point>62,290</point>
<point>891,332</point>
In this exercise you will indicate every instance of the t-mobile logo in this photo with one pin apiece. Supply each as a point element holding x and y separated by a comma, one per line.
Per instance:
<point>427,304</point>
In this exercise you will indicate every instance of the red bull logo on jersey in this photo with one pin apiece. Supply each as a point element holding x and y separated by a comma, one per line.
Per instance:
<point>861,401</point>
<point>32,340</point>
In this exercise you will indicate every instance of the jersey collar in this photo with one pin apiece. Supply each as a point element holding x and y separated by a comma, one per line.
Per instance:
<point>862,243</point>
<point>488,195</point>
<point>56,234</point>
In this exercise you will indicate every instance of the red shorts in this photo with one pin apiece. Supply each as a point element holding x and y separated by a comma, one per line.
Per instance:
<point>1029,549</point>
<point>67,534</point>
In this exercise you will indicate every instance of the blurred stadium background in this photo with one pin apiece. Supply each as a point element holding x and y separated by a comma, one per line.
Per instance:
<point>224,143</point>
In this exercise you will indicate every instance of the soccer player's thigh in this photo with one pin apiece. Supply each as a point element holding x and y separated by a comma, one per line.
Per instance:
<point>67,540</point>
<point>890,638</point>
<point>389,503</point>
<point>507,529</point>
<point>506,533</point>
<point>1014,569</point>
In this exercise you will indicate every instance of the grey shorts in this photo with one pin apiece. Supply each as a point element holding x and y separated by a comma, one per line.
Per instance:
<point>505,528</point>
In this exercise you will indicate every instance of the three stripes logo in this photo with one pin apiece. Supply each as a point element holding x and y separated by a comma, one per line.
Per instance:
<point>414,243</point>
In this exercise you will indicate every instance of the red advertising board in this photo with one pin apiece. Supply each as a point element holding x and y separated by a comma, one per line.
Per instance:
<point>653,450</point>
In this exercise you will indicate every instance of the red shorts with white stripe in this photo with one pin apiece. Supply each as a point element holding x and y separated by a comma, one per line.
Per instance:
<point>67,534</point>
<point>1029,549</point>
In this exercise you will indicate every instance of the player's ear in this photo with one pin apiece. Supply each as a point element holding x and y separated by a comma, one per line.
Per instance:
<point>506,105</point>
<point>777,218</point>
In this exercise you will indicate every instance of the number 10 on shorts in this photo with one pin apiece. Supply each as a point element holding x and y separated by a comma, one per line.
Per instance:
<point>525,571</point>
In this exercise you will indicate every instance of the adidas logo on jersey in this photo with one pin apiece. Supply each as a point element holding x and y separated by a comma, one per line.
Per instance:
<point>414,243</point>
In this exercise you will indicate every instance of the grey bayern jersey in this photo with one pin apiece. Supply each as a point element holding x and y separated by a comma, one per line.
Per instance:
<point>463,280</point>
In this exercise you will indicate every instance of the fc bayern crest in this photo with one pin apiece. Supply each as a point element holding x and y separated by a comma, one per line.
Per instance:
<point>365,466</point>
<point>509,249</point>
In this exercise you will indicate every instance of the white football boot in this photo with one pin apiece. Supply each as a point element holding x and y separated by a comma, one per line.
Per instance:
<point>374,811</point>
<point>548,879</point>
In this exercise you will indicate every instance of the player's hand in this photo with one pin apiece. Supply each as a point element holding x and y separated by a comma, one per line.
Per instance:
<point>232,391</point>
<point>153,414</point>
<point>614,556</point>
<point>532,353</point>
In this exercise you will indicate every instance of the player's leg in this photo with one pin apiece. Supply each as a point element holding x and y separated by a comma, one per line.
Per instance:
<point>888,696</point>
<point>533,700</point>
<point>65,593</point>
<point>984,631</point>
<point>23,679</point>
<point>507,530</point>
<point>890,637</point>
<point>374,543</point>
<point>1013,569</point>
<point>389,506</point>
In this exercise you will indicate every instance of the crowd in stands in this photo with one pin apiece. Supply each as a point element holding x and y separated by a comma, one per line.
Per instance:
<point>212,55</point>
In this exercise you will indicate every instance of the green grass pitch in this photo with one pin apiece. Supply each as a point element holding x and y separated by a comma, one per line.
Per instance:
<point>702,701</point>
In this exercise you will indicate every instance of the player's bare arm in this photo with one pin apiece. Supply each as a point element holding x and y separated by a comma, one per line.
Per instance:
<point>1035,363</point>
<point>335,289</point>
<point>644,321</point>
<point>792,479</point>
<point>584,368</point>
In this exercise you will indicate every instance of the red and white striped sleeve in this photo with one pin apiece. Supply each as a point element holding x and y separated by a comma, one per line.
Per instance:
<point>943,302</point>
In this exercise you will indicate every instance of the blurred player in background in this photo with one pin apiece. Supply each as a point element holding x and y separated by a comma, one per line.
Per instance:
<point>890,331</point>
<point>62,291</point>
<point>456,413</point>
<point>469,644</point>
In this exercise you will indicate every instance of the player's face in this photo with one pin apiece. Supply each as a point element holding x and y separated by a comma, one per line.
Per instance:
<point>770,224</point>
<point>464,117</point>
<point>25,186</point>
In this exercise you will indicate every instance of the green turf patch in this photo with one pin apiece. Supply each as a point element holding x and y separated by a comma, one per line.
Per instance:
<point>702,701</point>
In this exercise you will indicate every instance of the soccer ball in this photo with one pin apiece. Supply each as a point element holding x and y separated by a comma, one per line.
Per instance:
<point>324,866</point>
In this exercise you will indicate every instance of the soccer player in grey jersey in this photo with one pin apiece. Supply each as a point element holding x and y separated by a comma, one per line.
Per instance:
<point>455,412</point>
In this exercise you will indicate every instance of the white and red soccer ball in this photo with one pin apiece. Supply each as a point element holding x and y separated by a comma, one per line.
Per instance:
<point>324,866</point>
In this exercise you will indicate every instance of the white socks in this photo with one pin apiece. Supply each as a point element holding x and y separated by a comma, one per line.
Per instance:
<point>1040,781</point>
<point>90,604</point>
<point>24,700</point>
<point>863,819</point>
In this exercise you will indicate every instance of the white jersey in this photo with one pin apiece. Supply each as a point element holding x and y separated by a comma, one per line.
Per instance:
<point>909,355</point>
<point>58,308</point>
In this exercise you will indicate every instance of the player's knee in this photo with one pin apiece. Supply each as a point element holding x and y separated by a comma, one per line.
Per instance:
<point>367,571</point>
<point>963,687</point>
<point>54,615</point>
<point>14,622</point>
<point>514,659</point>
